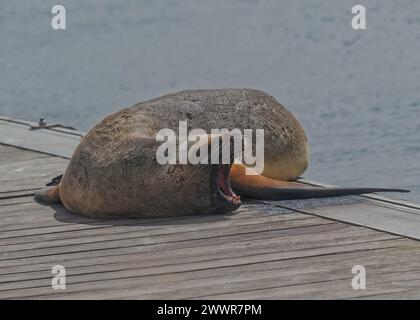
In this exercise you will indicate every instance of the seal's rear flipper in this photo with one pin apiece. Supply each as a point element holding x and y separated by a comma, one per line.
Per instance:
<point>49,195</point>
<point>257,186</point>
<point>284,193</point>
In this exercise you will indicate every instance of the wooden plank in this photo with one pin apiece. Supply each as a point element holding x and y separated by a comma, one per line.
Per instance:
<point>403,294</point>
<point>40,216</point>
<point>160,238</point>
<point>192,252</point>
<point>144,228</point>
<point>116,275</point>
<point>381,216</point>
<point>12,154</point>
<point>204,249</point>
<point>28,123</point>
<point>138,232</point>
<point>319,290</point>
<point>244,259</point>
<point>90,224</point>
<point>193,281</point>
<point>137,241</point>
<point>372,196</point>
<point>85,257</point>
<point>22,171</point>
<point>47,141</point>
<point>30,175</point>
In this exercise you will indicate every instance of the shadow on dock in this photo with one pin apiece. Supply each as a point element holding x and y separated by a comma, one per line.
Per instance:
<point>63,215</point>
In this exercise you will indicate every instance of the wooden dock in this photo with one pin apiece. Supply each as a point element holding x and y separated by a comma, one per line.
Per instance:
<point>266,250</point>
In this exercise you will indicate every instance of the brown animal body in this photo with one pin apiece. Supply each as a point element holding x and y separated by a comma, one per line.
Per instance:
<point>114,171</point>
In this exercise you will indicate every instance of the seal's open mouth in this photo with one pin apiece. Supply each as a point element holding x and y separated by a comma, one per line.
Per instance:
<point>223,184</point>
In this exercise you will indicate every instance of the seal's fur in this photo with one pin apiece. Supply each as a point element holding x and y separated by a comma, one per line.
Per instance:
<point>114,171</point>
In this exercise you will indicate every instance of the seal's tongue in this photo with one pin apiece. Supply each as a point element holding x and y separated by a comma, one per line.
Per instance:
<point>222,182</point>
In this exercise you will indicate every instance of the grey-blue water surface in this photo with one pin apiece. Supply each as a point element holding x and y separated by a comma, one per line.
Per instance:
<point>357,93</point>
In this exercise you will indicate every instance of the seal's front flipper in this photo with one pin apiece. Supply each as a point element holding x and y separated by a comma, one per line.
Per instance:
<point>49,195</point>
<point>55,181</point>
<point>257,186</point>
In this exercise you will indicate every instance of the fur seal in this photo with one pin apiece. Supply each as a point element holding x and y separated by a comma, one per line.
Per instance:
<point>113,173</point>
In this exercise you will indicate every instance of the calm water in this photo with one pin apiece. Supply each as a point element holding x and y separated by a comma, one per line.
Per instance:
<point>357,93</point>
